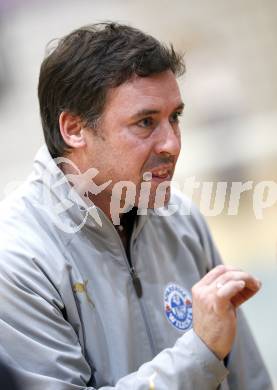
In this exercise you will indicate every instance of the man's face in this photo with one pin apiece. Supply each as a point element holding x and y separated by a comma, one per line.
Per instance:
<point>139,132</point>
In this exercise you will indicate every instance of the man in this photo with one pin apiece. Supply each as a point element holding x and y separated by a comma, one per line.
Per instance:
<point>102,265</point>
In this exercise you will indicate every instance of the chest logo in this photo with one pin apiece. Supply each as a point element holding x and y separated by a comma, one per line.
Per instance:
<point>178,307</point>
<point>82,288</point>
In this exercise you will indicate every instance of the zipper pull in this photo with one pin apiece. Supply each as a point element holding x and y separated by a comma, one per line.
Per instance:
<point>136,283</point>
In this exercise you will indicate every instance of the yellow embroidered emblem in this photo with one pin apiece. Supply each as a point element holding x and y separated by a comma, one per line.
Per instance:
<point>79,287</point>
<point>82,288</point>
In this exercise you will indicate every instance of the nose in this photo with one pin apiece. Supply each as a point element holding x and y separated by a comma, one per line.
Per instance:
<point>168,141</point>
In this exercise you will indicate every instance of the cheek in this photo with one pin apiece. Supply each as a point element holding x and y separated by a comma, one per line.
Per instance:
<point>130,153</point>
<point>136,156</point>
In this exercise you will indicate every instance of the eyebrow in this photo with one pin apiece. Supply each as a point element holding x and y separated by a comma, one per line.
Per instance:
<point>146,112</point>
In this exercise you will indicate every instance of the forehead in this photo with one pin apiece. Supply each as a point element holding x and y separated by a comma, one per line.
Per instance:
<point>156,92</point>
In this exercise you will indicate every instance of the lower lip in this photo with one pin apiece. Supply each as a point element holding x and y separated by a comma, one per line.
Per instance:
<point>160,179</point>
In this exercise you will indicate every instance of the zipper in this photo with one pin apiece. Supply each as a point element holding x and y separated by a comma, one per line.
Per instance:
<point>135,278</point>
<point>136,281</point>
<point>147,327</point>
<point>142,307</point>
<point>137,286</point>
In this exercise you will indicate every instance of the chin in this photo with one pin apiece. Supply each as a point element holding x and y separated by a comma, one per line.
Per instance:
<point>153,201</point>
<point>163,202</point>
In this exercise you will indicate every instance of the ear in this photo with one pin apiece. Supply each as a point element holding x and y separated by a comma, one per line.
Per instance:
<point>72,130</point>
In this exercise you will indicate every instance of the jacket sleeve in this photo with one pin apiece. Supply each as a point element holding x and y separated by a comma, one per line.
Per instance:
<point>43,351</point>
<point>246,367</point>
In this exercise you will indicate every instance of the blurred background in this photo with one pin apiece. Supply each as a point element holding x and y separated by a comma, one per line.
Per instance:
<point>229,125</point>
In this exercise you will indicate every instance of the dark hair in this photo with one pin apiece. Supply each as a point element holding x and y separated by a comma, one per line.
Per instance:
<point>86,63</point>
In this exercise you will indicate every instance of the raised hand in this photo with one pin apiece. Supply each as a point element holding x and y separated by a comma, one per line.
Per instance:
<point>215,299</point>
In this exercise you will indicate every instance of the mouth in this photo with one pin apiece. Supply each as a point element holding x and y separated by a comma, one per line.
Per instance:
<point>161,173</point>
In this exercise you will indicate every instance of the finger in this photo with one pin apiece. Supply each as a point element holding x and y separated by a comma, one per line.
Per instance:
<point>250,282</point>
<point>230,290</point>
<point>211,276</point>
<point>242,296</point>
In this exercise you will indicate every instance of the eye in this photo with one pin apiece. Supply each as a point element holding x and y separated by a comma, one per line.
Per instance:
<point>146,122</point>
<point>175,117</point>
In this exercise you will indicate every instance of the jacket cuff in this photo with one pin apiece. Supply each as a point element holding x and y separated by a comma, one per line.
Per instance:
<point>213,367</point>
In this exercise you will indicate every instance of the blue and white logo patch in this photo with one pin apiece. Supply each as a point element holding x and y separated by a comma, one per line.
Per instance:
<point>178,307</point>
